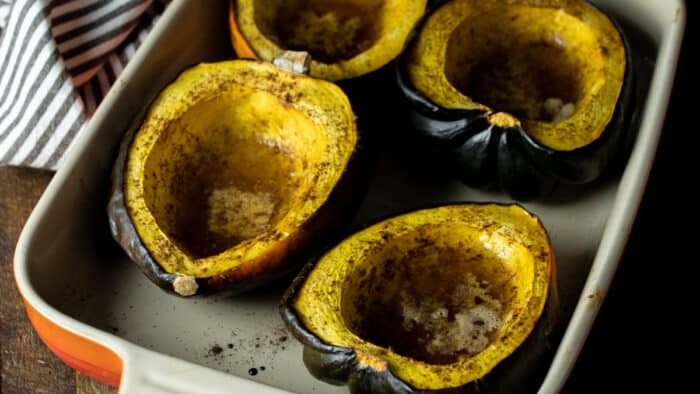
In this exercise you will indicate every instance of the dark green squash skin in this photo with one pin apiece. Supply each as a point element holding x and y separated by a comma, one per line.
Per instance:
<point>483,155</point>
<point>326,223</point>
<point>371,96</point>
<point>522,372</point>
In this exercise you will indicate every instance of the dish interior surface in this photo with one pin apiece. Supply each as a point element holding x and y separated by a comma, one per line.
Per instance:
<point>78,269</point>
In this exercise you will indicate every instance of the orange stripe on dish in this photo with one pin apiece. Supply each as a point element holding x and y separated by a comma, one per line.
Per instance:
<point>80,353</point>
<point>240,44</point>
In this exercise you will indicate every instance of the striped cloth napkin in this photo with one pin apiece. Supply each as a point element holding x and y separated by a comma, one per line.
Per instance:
<point>58,59</point>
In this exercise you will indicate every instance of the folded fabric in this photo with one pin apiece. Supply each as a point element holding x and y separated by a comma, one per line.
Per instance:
<point>4,11</point>
<point>58,60</point>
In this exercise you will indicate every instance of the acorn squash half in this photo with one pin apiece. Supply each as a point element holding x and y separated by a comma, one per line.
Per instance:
<point>460,297</point>
<point>521,93</point>
<point>237,168</point>
<point>346,38</point>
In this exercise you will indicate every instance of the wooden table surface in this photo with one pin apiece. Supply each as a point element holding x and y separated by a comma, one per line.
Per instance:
<point>27,365</point>
<point>632,346</point>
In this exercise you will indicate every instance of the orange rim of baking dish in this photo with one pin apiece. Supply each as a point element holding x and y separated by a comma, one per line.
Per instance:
<point>240,44</point>
<point>80,353</point>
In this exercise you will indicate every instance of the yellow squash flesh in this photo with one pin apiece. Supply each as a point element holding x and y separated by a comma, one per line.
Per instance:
<point>511,56</point>
<point>229,165</point>
<point>346,39</point>
<point>436,249</point>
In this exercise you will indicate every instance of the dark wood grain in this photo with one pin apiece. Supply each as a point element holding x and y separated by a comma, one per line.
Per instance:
<point>27,365</point>
<point>87,385</point>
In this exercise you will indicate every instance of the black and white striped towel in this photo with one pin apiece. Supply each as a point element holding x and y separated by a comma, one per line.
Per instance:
<point>58,59</point>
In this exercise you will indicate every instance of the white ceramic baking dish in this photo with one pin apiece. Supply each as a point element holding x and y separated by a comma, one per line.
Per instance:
<point>97,312</point>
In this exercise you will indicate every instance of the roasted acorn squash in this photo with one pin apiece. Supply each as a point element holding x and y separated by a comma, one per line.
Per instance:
<point>521,93</point>
<point>346,38</point>
<point>455,297</point>
<point>237,167</point>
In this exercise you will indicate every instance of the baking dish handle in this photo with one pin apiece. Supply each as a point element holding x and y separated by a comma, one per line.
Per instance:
<point>148,372</point>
